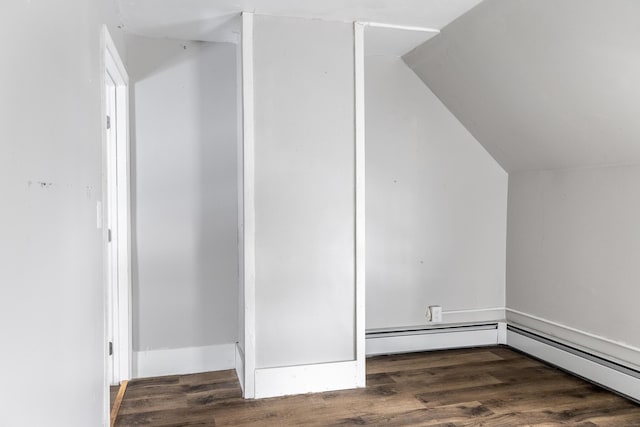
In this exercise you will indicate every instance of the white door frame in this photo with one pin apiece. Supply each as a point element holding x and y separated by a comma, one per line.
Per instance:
<point>248,196</point>
<point>119,186</point>
<point>360,203</point>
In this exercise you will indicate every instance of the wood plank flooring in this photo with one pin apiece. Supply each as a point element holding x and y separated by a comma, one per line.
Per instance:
<point>492,386</point>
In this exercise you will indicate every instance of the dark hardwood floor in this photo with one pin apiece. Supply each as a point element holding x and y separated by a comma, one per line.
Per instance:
<point>472,387</point>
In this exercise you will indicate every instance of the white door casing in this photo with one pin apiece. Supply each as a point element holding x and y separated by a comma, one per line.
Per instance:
<point>117,218</point>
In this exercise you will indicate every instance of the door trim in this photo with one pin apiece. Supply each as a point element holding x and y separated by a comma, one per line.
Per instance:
<point>360,203</point>
<point>248,194</point>
<point>114,67</point>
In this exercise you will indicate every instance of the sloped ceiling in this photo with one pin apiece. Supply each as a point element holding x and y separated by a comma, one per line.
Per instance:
<point>542,84</point>
<point>213,20</point>
<point>380,41</point>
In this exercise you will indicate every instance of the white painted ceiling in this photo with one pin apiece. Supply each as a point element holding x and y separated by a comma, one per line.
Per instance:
<point>542,84</point>
<point>216,20</point>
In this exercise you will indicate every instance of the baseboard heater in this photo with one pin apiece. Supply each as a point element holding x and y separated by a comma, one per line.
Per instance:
<point>607,373</point>
<point>425,338</point>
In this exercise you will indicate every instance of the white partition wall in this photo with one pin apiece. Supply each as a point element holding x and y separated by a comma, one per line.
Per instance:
<point>304,166</point>
<point>299,206</point>
<point>304,207</point>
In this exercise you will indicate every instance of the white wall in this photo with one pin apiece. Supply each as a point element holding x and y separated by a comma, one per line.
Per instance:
<point>542,84</point>
<point>573,251</point>
<point>185,203</point>
<point>559,99</point>
<point>304,191</point>
<point>52,293</point>
<point>436,206</point>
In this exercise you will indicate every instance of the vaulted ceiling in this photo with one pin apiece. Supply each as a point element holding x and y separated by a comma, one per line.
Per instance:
<point>542,84</point>
<point>213,20</point>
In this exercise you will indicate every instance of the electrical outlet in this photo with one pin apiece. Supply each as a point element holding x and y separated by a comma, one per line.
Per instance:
<point>434,313</point>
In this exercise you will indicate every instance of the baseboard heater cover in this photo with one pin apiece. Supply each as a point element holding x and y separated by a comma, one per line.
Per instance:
<point>438,337</point>
<point>606,373</point>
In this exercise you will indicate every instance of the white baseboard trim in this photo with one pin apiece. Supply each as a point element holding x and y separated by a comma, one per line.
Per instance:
<point>606,374</point>
<point>272,382</point>
<point>240,366</point>
<point>433,338</point>
<point>180,361</point>
<point>604,347</point>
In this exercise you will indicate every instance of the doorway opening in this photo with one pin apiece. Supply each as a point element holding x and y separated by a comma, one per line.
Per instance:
<point>116,214</point>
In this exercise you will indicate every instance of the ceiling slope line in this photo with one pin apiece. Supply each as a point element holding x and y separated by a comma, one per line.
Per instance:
<point>399,27</point>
